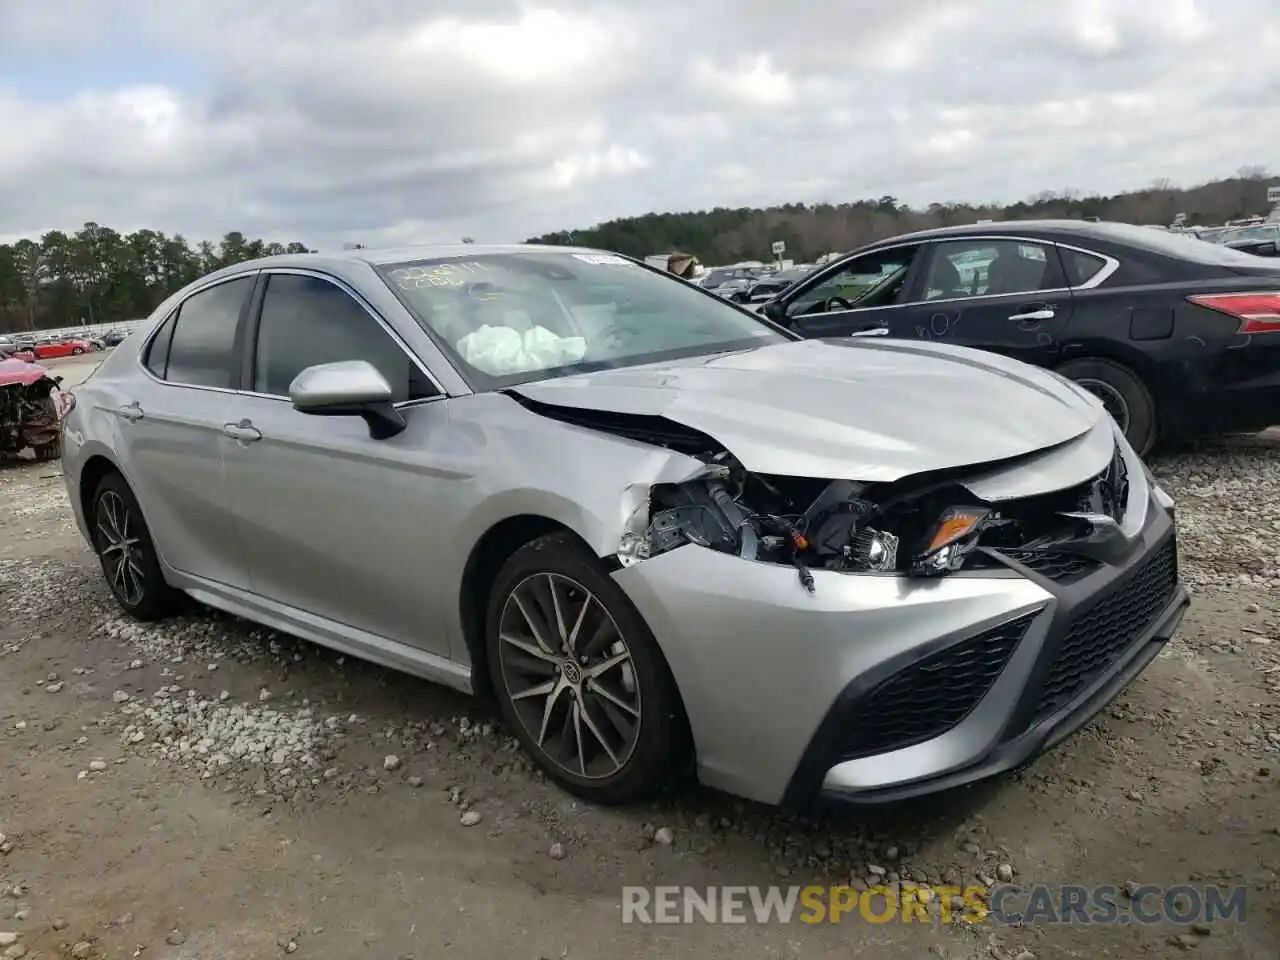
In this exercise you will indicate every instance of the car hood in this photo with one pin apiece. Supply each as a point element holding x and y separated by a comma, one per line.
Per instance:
<point>19,371</point>
<point>852,409</point>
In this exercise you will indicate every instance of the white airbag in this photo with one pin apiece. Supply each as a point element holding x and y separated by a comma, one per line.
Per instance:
<point>501,350</point>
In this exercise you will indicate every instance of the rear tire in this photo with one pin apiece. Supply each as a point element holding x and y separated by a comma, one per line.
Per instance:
<point>128,556</point>
<point>562,738</point>
<point>1125,396</point>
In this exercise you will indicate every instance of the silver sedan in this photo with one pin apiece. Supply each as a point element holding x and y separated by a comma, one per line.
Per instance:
<point>666,535</point>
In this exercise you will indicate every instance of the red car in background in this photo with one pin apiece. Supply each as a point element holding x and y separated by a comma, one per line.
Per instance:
<point>55,349</point>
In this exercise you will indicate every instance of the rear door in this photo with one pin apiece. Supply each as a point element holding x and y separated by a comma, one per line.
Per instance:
<point>170,426</point>
<point>1006,295</point>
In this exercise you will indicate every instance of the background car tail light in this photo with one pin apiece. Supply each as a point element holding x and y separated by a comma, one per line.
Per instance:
<point>1257,312</point>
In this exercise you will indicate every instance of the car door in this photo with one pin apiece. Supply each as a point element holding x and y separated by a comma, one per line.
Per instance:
<point>334,522</point>
<point>170,428</point>
<point>855,295</point>
<point>1009,295</point>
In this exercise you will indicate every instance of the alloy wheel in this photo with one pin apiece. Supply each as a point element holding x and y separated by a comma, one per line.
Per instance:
<point>1112,399</point>
<point>569,675</point>
<point>120,547</point>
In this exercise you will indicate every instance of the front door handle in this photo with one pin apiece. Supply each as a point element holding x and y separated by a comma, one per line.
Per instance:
<point>131,411</point>
<point>873,332</point>
<point>244,431</point>
<point>1043,314</point>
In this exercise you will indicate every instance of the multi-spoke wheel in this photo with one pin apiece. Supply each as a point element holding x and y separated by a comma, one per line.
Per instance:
<point>579,676</point>
<point>127,554</point>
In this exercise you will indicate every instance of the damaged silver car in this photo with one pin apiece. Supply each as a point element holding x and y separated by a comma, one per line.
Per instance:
<point>666,535</point>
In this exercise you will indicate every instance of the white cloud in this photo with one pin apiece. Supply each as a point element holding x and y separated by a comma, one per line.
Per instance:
<point>397,121</point>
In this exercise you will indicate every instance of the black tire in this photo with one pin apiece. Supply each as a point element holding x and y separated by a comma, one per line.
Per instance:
<point>1118,386</point>
<point>48,451</point>
<point>76,351</point>
<point>155,599</point>
<point>661,746</point>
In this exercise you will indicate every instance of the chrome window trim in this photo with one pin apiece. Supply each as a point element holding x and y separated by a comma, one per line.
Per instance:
<point>1110,266</point>
<point>296,271</point>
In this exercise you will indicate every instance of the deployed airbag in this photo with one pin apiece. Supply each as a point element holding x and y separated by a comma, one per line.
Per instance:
<point>502,350</point>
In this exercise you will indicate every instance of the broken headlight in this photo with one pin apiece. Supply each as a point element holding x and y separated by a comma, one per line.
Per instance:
<point>952,538</point>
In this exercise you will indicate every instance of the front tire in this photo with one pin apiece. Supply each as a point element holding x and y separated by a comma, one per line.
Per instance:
<point>1124,395</point>
<point>128,556</point>
<point>580,678</point>
<point>76,351</point>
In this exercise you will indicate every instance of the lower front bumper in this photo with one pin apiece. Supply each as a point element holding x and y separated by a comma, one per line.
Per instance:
<point>1015,752</point>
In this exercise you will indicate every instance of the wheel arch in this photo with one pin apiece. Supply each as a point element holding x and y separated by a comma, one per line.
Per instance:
<point>491,550</point>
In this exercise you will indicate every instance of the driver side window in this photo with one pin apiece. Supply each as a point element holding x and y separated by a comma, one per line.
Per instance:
<point>876,279</point>
<point>306,320</point>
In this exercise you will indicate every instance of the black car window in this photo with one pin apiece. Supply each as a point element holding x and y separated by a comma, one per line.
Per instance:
<point>307,320</point>
<point>1081,267</point>
<point>157,357</point>
<point>202,348</point>
<point>984,267</point>
<point>874,279</point>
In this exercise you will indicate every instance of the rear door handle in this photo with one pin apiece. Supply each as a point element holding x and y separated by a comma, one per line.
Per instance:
<point>244,431</point>
<point>131,412</point>
<point>872,332</point>
<point>1043,314</point>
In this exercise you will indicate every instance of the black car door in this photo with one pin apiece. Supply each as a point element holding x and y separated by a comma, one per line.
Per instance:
<point>853,296</point>
<point>1008,296</point>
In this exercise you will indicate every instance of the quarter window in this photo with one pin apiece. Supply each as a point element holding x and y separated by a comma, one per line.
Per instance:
<point>1081,267</point>
<point>977,268</point>
<point>202,347</point>
<point>307,320</point>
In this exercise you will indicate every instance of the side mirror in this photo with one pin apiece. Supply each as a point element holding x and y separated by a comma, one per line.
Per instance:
<point>775,310</point>
<point>351,388</point>
<point>1267,249</point>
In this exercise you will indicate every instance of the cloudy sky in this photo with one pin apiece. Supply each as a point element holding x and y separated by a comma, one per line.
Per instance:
<point>392,120</point>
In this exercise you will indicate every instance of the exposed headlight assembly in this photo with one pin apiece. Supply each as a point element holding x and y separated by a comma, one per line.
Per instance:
<point>953,538</point>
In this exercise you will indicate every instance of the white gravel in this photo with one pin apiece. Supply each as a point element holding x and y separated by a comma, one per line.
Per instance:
<point>1228,507</point>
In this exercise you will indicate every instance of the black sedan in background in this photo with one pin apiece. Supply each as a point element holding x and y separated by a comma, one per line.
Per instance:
<point>1177,337</point>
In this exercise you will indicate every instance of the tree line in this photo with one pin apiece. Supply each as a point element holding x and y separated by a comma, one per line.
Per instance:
<point>723,236</point>
<point>97,275</point>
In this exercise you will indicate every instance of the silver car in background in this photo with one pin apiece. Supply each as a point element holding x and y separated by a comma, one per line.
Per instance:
<point>665,534</point>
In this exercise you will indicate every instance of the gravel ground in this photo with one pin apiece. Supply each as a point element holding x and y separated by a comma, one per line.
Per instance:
<point>207,788</point>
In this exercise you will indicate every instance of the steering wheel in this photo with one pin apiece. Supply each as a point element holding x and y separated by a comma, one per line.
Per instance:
<point>838,303</point>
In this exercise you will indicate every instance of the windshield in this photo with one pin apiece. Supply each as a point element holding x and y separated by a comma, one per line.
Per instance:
<point>506,319</point>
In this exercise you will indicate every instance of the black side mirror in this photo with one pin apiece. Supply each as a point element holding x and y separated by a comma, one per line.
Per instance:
<point>1267,249</point>
<point>775,310</point>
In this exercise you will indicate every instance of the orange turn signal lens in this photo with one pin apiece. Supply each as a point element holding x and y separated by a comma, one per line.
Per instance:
<point>955,524</point>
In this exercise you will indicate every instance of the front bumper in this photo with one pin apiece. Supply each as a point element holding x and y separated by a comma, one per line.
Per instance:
<point>877,688</point>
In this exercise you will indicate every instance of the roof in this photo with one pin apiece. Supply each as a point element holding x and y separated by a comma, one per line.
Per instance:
<point>1012,227</point>
<point>380,257</point>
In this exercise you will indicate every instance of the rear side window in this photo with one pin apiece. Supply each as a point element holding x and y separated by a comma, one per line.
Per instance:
<point>157,358</point>
<point>307,320</point>
<point>202,348</point>
<point>1081,267</point>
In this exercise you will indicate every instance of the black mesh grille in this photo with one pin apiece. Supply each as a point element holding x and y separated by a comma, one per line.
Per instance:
<point>1099,635</point>
<point>930,697</point>
<point>1054,564</point>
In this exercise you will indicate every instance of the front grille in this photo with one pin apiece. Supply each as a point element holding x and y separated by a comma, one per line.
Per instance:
<point>1101,634</point>
<point>930,697</point>
<point>1055,565</point>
